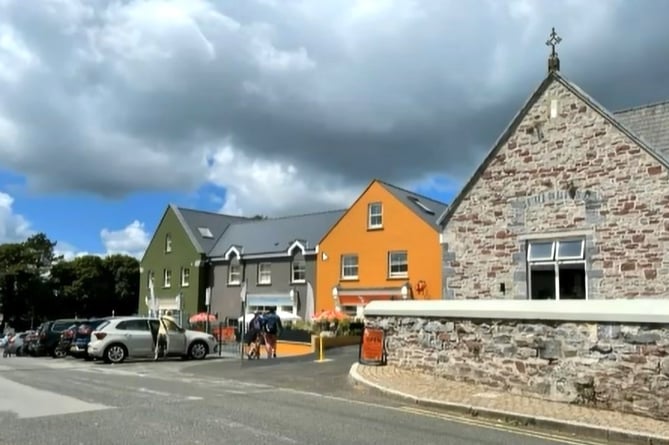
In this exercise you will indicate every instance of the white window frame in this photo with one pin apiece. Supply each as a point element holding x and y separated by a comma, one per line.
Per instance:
<point>185,276</point>
<point>232,281</point>
<point>149,277</point>
<point>392,274</point>
<point>265,276</point>
<point>168,243</point>
<point>372,215</point>
<point>343,266</point>
<point>555,261</point>
<point>293,270</point>
<point>167,278</point>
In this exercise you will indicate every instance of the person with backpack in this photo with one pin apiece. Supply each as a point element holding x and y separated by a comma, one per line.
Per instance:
<point>272,329</point>
<point>253,336</point>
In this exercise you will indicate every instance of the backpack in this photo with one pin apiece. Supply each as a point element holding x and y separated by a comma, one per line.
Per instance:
<point>271,325</point>
<point>256,324</point>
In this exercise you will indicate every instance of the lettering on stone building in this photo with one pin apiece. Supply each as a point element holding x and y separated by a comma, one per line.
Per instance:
<point>556,196</point>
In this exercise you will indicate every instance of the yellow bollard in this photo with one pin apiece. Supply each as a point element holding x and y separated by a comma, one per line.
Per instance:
<point>321,358</point>
<point>321,351</point>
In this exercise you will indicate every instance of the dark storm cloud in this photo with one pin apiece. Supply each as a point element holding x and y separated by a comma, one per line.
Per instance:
<point>114,95</point>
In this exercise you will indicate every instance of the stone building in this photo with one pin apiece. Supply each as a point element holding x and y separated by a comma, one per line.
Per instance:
<point>572,202</point>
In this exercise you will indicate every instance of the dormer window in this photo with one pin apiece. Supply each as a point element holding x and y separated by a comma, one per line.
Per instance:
<point>168,243</point>
<point>375,215</point>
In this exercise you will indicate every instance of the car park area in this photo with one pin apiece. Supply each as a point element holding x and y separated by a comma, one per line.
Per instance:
<point>110,340</point>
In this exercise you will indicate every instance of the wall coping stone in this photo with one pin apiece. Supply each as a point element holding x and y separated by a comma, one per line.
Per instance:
<point>613,310</point>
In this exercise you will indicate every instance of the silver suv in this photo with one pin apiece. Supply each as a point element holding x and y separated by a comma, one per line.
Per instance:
<point>123,337</point>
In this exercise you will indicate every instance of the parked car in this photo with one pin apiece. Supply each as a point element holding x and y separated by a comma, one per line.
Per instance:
<point>15,344</point>
<point>66,337</point>
<point>49,337</point>
<point>31,342</point>
<point>82,337</point>
<point>123,337</point>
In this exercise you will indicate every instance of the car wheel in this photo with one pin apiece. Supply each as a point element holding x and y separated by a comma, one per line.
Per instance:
<point>198,350</point>
<point>115,353</point>
<point>59,353</point>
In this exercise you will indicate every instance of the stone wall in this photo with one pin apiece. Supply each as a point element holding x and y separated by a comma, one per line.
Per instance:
<point>609,365</point>
<point>574,172</point>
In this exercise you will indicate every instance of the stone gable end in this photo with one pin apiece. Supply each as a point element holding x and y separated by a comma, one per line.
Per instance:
<point>565,169</point>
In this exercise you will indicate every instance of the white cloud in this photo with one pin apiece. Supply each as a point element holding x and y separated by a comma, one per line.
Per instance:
<point>69,251</point>
<point>316,97</point>
<point>13,227</point>
<point>130,240</point>
<point>257,186</point>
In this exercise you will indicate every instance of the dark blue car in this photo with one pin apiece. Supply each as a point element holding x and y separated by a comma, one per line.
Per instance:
<point>82,337</point>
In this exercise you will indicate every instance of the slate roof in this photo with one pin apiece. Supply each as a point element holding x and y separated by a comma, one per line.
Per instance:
<point>428,209</point>
<point>517,119</point>
<point>649,122</point>
<point>217,223</point>
<point>274,235</point>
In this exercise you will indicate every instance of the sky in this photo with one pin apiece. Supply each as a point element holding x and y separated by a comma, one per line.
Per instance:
<point>111,109</point>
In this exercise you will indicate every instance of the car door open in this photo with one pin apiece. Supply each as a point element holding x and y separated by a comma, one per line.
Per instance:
<point>176,342</point>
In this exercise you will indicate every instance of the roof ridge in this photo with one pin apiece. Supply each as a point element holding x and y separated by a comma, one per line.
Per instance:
<point>417,195</point>
<point>209,212</point>
<point>641,107</point>
<point>278,218</point>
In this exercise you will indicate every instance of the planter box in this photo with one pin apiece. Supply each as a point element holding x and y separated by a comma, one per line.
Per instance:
<point>295,335</point>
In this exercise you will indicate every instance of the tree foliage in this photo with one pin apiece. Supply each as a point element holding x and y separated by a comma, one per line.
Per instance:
<point>35,284</point>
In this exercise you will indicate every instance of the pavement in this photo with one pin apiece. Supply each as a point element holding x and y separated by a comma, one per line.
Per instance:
<point>472,400</point>
<point>292,401</point>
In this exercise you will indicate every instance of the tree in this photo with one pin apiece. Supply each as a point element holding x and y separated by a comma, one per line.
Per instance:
<point>35,284</point>
<point>90,286</point>
<point>259,217</point>
<point>24,267</point>
<point>123,272</point>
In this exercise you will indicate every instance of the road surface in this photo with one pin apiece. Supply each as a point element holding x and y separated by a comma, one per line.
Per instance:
<point>45,401</point>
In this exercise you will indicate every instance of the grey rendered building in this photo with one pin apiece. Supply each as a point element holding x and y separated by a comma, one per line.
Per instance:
<point>277,259</point>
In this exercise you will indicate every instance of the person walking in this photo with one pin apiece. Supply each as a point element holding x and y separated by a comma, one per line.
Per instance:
<point>161,344</point>
<point>253,336</point>
<point>272,329</point>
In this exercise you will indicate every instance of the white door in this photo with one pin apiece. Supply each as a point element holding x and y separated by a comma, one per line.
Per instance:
<point>137,336</point>
<point>176,338</point>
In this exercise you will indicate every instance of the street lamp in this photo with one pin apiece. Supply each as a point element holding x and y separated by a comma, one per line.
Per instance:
<point>335,297</point>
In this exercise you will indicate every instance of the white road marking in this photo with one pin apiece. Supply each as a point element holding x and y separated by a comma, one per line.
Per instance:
<point>254,431</point>
<point>157,393</point>
<point>28,402</point>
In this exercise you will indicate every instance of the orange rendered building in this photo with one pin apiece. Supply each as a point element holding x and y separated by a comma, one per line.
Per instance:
<point>385,246</point>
